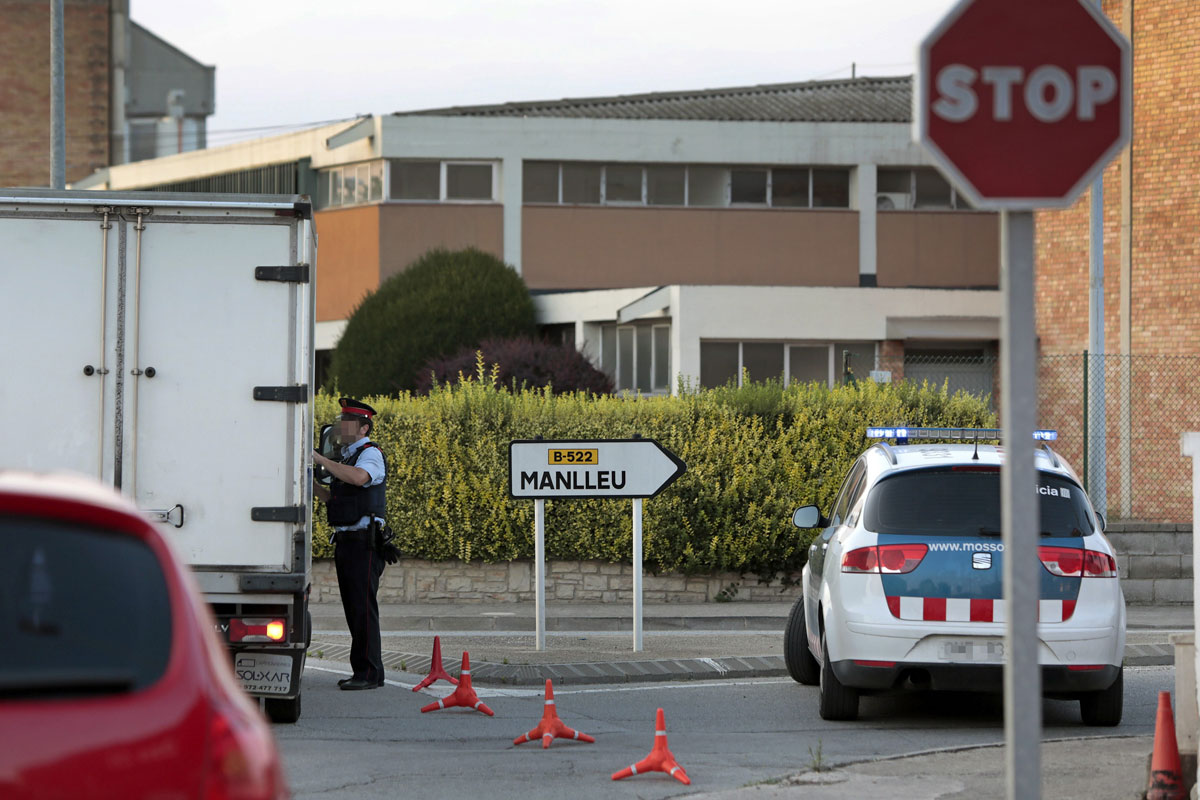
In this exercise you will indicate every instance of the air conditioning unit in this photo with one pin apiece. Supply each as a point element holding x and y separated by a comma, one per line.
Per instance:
<point>893,201</point>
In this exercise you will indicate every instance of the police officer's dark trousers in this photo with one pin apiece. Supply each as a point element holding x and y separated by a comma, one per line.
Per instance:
<point>358,571</point>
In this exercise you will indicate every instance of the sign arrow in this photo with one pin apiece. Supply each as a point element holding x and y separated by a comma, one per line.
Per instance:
<point>546,469</point>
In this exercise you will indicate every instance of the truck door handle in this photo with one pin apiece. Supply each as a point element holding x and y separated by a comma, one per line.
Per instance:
<point>164,515</point>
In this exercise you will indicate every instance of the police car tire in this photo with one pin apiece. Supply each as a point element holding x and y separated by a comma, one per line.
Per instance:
<point>1104,708</point>
<point>801,664</point>
<point>837,702</point>
<point>280,709</point>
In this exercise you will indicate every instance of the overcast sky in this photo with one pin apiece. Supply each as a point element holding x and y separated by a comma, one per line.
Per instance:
<point>287,63</point>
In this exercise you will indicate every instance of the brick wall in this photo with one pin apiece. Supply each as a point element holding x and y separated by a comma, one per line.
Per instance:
<point>1165,292</point>
<point>25,89</point>
<point>413,581</point>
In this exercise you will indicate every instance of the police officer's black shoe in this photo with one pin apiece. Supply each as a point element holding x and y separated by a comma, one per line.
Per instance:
<point>356,684</point>
<point>344,681</point>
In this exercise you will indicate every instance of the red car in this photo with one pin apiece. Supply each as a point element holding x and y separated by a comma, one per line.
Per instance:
<point>113,683</point>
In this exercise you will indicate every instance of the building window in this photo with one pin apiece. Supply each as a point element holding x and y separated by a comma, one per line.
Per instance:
<point>415,180</point>
<point>831,188</point>
<point>748,186</point>
<point>469,181</point>
<point>637,357</point>
<point>701,186</point>
<point>666,186</point>
<point>789,188</point>
<point>916,188</point>
<point>706,186</point>
<point>539,180</point>
<point>662,358</point>
<point>719,363</point>
<point>622,184</point>
<point>828,363</point>
<point>435,181</point>
<point>762,361</point>
<point>581,183</point>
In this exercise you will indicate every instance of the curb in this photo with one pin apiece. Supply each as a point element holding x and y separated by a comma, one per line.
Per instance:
<point>648,671</point>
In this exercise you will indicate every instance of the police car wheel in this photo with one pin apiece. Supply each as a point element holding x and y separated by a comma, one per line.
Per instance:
<point>837,702</point>
<point>1104,708</point>
<point>279,709</point>
<point>801,664</point>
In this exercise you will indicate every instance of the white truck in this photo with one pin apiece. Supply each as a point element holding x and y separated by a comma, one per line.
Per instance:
<point>164,344</point>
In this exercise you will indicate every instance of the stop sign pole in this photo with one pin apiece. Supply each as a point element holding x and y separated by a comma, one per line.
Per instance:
<point>1022,103</point>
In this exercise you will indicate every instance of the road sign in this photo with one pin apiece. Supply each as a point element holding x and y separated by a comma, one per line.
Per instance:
<point>543,469</point>
<point>1023,102</point>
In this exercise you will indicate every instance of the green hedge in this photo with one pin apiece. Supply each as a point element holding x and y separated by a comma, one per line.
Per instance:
<point>753,455</point>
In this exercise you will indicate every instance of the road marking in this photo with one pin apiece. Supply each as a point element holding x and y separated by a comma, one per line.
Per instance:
<point>713,664</point>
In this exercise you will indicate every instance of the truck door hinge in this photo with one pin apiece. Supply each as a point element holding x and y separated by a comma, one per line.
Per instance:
<point>277,513</point>
<point>296,274</point>
<point>283,394</point>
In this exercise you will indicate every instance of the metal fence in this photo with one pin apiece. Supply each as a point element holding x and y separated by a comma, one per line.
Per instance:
<point>1119,420</point>
<point>1118,417</point>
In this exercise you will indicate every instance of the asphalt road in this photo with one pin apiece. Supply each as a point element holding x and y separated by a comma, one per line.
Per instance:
<point>726,734</point>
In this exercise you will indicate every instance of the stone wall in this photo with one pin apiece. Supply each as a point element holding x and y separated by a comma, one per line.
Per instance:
<point>1155,561</point>
<point>414,581</point>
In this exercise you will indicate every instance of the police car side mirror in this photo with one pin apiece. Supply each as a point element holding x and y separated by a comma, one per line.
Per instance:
<point>327,448</point>
<point>806,517</point>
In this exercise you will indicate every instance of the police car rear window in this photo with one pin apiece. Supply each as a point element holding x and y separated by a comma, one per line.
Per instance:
<point>83,612</point>
<point>966,502</point>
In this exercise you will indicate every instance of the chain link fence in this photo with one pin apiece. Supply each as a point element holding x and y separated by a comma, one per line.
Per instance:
<point>1118,419</point>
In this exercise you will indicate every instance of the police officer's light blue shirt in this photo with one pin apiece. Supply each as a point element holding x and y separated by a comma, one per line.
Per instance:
<point>371,461</point>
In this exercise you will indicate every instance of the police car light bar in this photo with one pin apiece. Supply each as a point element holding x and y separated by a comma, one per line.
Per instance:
<point>961,434</point>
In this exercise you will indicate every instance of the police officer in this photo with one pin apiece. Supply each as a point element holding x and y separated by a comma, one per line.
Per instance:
<point>355,504</point>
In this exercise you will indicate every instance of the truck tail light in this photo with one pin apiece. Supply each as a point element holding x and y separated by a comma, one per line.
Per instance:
<point>1067,562</point>
<point>257,630</point>
<point>889,559</point>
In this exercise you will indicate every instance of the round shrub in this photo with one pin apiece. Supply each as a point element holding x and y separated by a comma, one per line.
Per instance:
<point>441,303</point>
<point>519,364</point>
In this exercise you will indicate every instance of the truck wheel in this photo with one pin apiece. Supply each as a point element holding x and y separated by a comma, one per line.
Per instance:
<point>1104,708</point>
<point>838,702</point>
<point>283,709</point>
<point>799,659</point>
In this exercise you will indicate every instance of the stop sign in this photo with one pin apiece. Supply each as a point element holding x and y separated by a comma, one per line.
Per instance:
<point>1023,102</point>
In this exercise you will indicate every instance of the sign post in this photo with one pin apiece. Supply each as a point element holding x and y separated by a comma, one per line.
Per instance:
<point>543,469</point>
<point>1022,103</point>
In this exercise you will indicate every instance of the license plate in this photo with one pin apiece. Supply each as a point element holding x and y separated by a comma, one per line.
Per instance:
<point>264,674</point>
<point>987,651</point>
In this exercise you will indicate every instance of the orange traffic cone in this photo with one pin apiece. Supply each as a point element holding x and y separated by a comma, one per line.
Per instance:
<point>1166,778</point>
<point>464,696</point>
<point>436,671</point>
<point>661,759</point>
<point>551,727</point>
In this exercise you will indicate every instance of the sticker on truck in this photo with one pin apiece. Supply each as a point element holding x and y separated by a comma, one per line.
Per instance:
<point>264,674</point>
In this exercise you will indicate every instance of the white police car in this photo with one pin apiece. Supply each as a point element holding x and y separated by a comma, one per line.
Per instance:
<point>903,586</point>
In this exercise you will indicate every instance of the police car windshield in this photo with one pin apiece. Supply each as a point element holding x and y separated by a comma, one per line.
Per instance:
<point>952,501</point>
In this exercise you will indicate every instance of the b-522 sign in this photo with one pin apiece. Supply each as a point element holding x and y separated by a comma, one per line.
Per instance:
<point>544,469</point>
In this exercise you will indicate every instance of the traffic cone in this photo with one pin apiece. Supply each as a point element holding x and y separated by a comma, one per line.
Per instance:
<point>661,759</point>
<point>551,727</point>
<point>1166,777</point>
<point>464,696</point>
<point>436,671</point>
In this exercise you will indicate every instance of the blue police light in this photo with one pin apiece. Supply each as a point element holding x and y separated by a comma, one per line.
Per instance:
<point>905,433</point>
